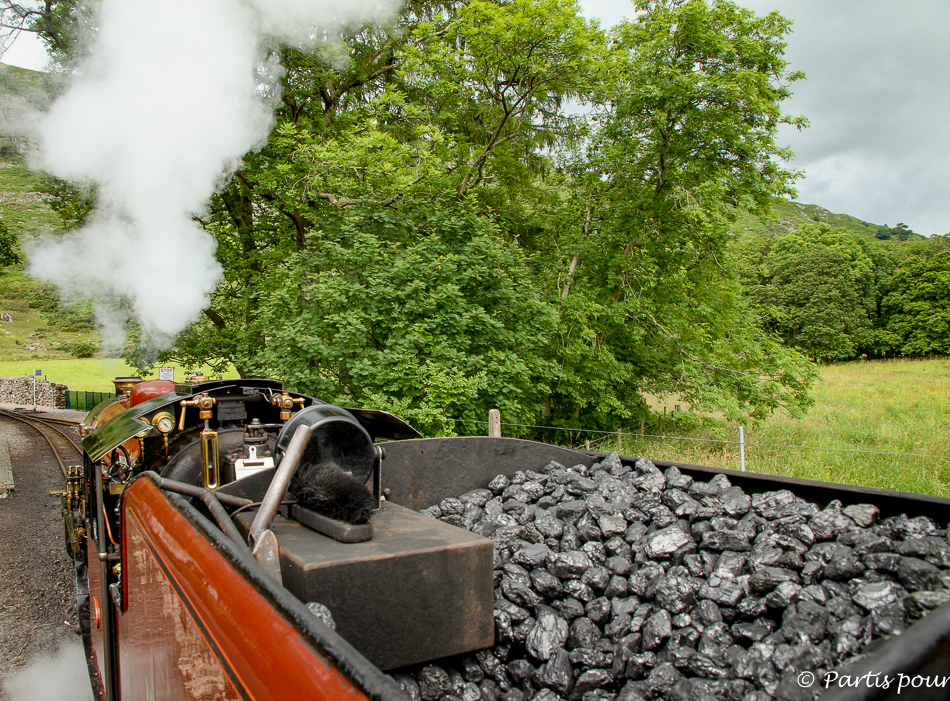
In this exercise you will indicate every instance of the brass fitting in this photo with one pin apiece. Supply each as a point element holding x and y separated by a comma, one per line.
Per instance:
<point>205,404</point>
<point>286,404</point>
<point>210,459</point>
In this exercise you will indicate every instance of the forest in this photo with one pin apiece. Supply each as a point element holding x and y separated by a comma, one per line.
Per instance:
<point>499,204</point>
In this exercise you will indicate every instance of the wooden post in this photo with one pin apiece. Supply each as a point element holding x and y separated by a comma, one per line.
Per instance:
<point>742,448</point>
<point>494,423</point>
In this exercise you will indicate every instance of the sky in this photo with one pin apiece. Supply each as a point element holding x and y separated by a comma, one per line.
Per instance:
<point>877,97</point>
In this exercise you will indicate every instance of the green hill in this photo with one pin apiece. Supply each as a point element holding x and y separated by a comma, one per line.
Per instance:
<point>24,206</point>
<point>41,326</point>
<point>789,215</point>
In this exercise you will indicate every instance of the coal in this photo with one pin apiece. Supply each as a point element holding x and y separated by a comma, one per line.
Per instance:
<point>623,582</point>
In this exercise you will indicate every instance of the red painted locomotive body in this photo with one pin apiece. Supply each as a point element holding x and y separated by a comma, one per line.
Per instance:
<point>178,600</point>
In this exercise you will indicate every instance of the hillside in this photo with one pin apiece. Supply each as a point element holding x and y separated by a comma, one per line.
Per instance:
<point>24,207</point>
<point>41,326</point>
<point>789,215</point>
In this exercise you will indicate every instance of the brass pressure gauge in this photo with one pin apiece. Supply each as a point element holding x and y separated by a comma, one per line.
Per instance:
<point>164,422</point>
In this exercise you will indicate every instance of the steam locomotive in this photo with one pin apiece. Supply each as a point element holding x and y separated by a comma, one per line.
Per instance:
<point>234,540</point>
<point>201,576</point>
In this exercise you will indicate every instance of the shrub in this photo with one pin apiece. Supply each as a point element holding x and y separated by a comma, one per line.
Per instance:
<point>81,349</point>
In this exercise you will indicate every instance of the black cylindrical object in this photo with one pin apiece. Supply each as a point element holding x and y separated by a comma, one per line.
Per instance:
<point>338,440</point>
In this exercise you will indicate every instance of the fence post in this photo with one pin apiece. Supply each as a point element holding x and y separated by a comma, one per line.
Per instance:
<point>742,448</point>
<point>494,423</point>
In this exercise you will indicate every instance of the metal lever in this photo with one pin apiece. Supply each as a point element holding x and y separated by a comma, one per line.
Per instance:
<point>280,483</point>
<point>205,404</point>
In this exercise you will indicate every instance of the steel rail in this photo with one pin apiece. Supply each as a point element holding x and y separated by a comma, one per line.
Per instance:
<point>41,426</point>
<point>46,419</point>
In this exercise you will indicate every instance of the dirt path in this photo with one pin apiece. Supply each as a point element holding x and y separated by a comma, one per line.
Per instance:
<point>37,605</point>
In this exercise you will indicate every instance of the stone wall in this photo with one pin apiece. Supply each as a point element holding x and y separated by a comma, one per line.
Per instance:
<point>19,390</point>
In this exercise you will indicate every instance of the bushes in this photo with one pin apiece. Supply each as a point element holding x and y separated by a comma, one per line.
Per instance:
<point>81,349</point>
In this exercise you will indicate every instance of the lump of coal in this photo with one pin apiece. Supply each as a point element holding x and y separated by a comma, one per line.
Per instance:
<point>622,584</point>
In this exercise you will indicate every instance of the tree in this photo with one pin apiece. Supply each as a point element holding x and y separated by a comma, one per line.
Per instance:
<point>902,231</point>
<point>59,23</point>
<point>376,203</point>
<point>9,247</point>
<point>433,228</point>
<point>820,288</point>
<point>686,134</point>
<point>918,307</point>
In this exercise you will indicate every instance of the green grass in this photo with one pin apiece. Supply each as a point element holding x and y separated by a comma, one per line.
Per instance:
<point>89,374</point>
<point>24,208</point>
<point>888,406</point>
<point>791,215</point>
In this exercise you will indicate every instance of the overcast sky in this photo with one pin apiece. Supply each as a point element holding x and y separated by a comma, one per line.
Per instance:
<point>877,96</point>
<point>878,99</point>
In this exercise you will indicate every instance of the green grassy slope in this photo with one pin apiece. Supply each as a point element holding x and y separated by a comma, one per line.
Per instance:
<point>24,207</point>
<point>789,215</point>
<point>864,413</point>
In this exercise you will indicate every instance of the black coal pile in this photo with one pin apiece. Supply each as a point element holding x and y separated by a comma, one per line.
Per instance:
<point>620,583</point>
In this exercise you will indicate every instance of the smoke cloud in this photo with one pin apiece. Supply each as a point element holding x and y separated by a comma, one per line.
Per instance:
<point>159,116</point>
<point>61,676</point>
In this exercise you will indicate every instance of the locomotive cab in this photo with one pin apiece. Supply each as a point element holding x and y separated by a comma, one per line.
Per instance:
<point>212,517</point>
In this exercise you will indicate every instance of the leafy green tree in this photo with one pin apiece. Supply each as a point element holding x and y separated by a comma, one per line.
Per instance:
<point>59,23</point>
<point>434,228</point>
<point>918,307</point>
<point>9,247</point>
<point>816,307</point>
<point>686,134</point>
<point>902,231</point>
<point>363,254</point>
<point>820,288</point>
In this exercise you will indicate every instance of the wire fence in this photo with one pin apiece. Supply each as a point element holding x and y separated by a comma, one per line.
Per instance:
<point>627,433</point>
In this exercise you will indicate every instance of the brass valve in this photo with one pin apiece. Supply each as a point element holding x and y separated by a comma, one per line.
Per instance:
<point>204,403</point>
<point>286,404</point>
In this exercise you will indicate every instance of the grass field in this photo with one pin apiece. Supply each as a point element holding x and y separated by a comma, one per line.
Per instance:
<point>89,374</point>
<point>886,406</point>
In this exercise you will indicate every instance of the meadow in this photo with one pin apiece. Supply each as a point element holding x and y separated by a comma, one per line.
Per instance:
<point>893,406</point>
<point>89,374</point>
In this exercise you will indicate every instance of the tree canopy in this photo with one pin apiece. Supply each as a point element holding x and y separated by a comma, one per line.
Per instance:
<point>498,204</point>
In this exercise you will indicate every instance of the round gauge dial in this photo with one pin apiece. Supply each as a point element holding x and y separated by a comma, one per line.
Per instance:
<point>164,422</point>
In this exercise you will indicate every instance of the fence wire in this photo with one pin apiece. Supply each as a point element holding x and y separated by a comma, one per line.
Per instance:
<point>608,434</point>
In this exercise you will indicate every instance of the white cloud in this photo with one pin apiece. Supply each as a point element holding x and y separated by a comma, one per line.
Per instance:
<point>877,96</point>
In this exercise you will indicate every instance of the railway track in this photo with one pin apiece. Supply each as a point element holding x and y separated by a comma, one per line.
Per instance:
<point>63,442</point>
<point>38,611</point>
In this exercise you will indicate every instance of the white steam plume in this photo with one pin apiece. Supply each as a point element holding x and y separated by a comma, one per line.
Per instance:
<point>160,115</point>
<point>62,676</point>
